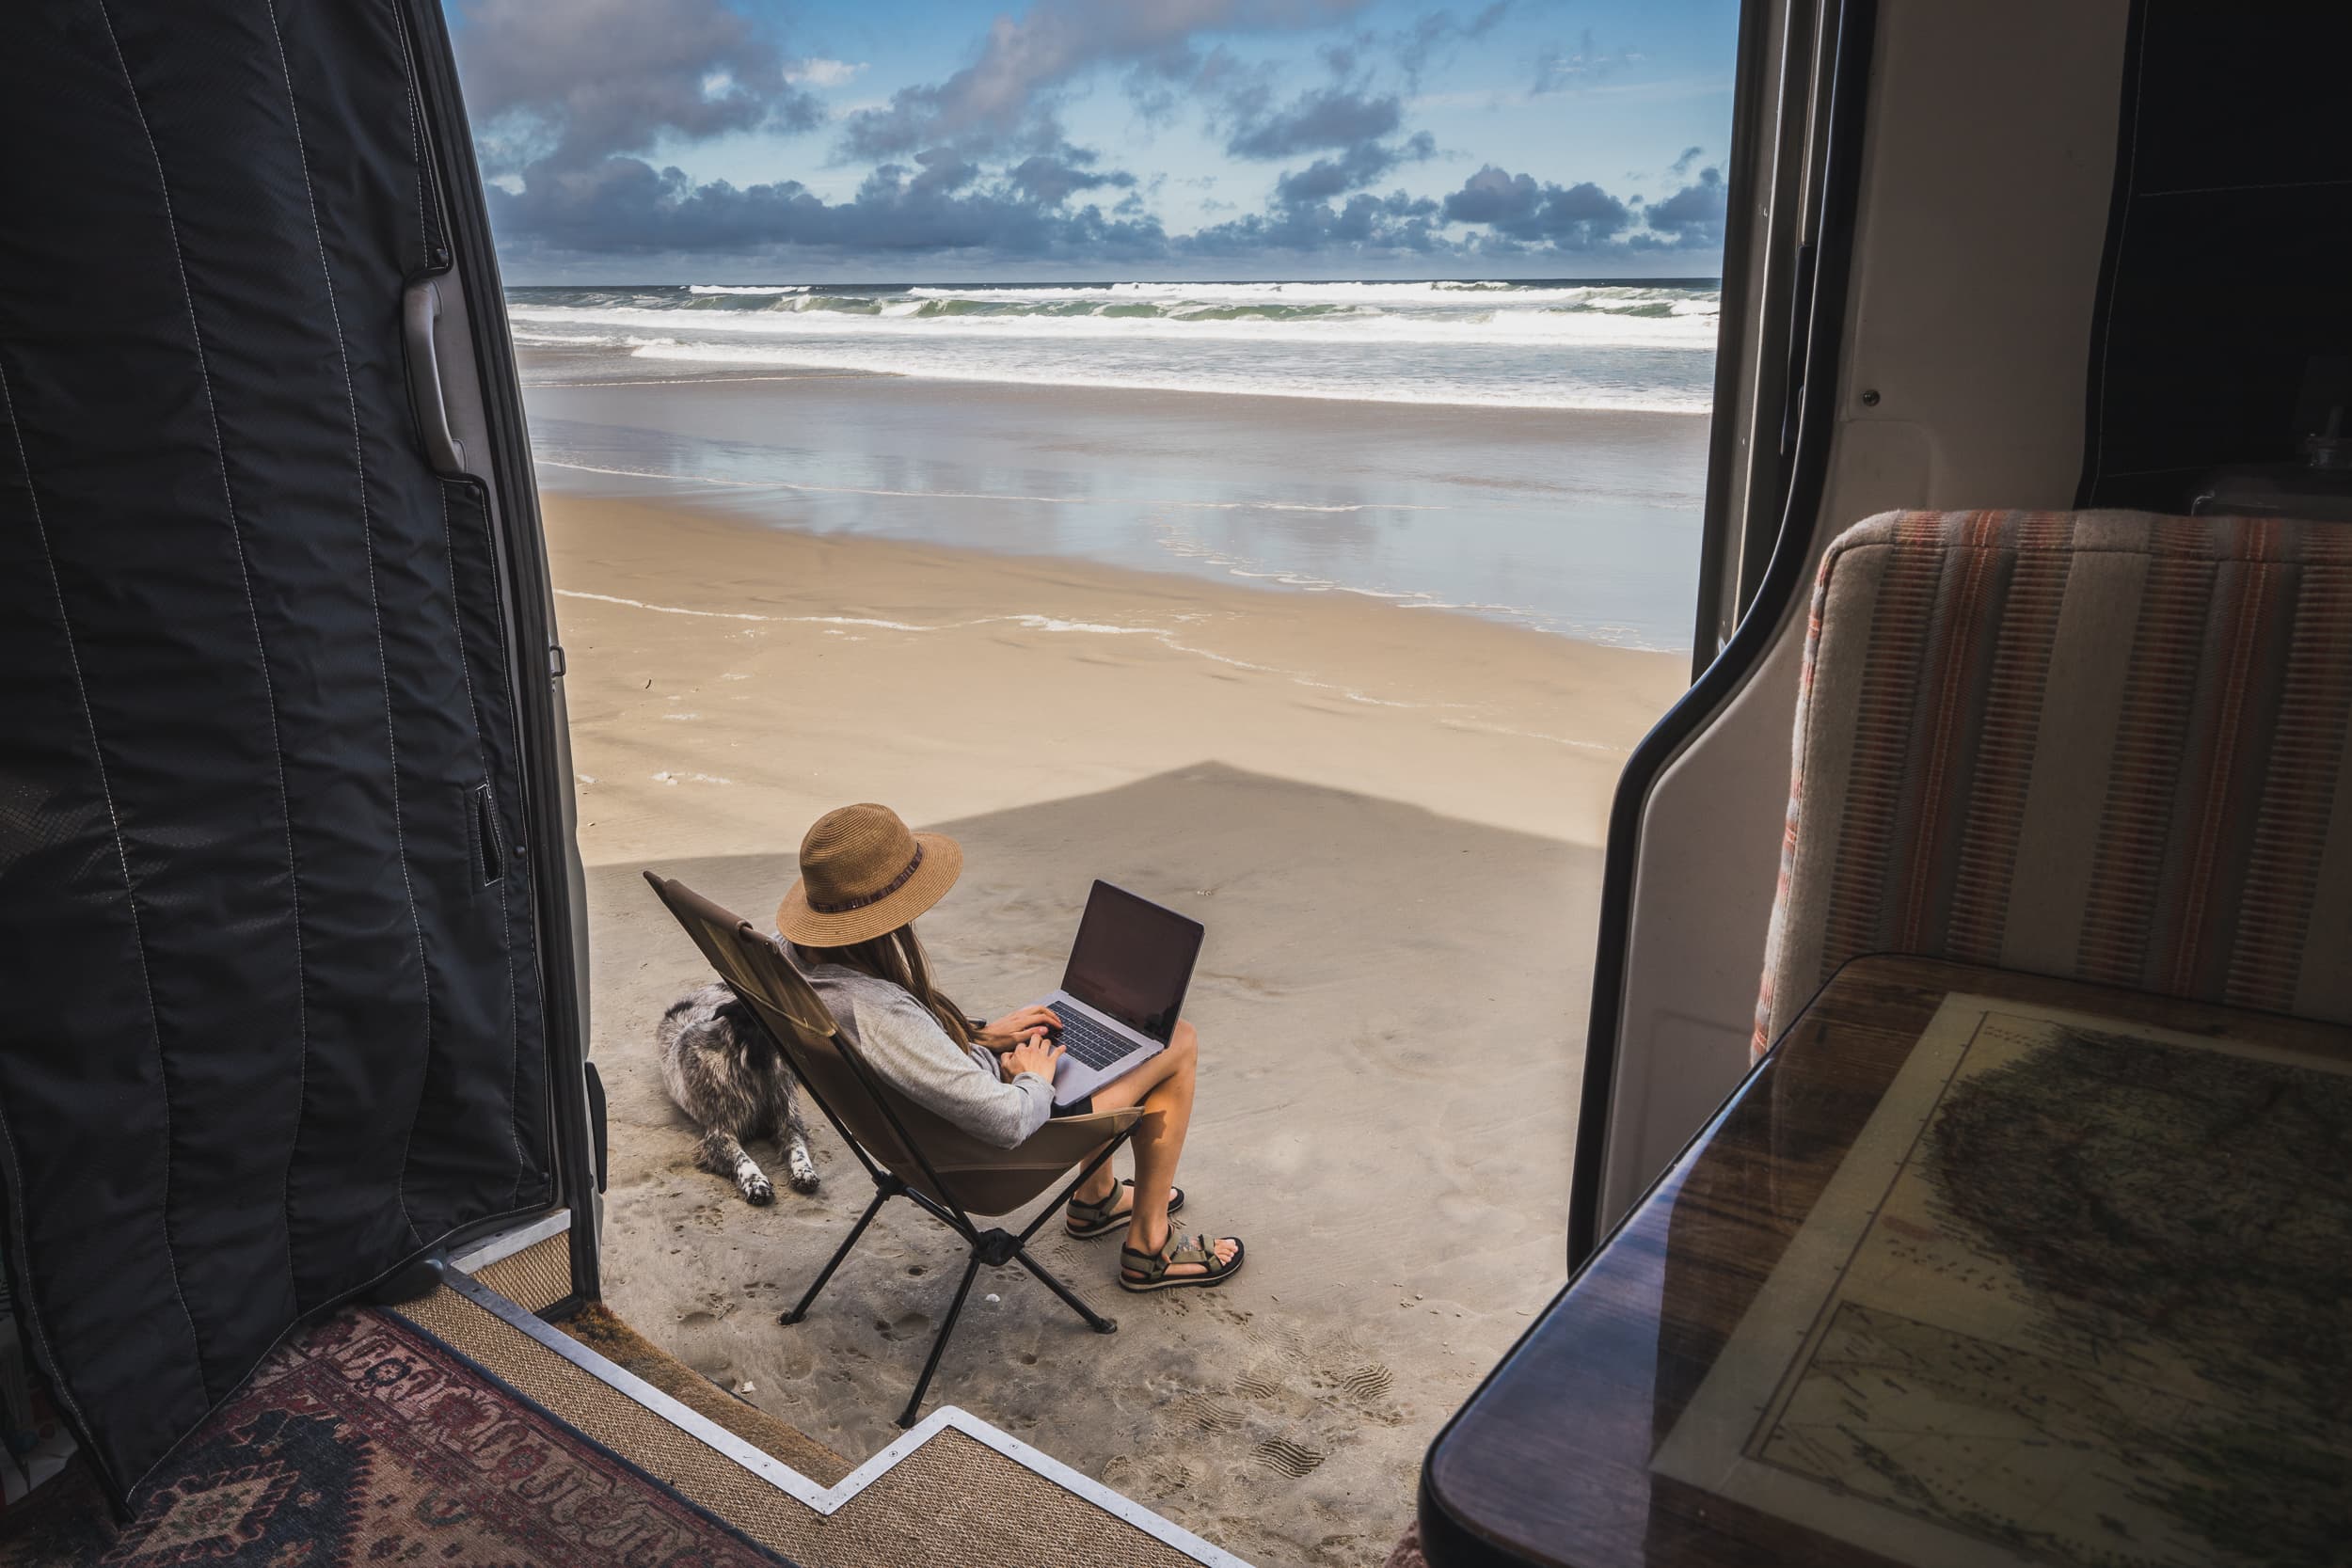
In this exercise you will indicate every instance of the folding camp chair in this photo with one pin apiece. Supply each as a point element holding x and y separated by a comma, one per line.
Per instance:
<point>906,1149</point>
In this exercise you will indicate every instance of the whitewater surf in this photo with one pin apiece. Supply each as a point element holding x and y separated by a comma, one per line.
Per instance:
<point>1634,346</point>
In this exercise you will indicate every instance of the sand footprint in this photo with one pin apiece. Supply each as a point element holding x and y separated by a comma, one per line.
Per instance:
<point>1295,1460</point>
<point>1280,1337</point>
<point>1367,1391</point>
<point>1172,1475</point>
<point>1294,1399</point>
<point>1161,1477</point>
<point>1206,1412</point>
<point>1260,1385</point>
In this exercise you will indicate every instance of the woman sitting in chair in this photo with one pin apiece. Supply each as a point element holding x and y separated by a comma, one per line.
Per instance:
<point>864,876</point>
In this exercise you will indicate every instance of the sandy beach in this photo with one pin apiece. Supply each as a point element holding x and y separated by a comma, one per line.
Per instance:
<point>1387,821</point>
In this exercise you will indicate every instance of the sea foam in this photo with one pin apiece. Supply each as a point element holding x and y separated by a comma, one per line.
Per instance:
<point>1536,345</point>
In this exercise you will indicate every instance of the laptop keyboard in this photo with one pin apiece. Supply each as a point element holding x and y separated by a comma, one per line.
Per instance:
<point>1090,1043</point>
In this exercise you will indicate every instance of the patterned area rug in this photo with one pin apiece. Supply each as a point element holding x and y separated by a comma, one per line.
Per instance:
<point>366,1442</point>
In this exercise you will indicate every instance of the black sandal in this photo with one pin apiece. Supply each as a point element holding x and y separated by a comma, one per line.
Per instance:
<point>1147,1271</point>
<point>1089,1220</point>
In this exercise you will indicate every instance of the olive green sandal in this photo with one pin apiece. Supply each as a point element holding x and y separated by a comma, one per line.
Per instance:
<point>1147,1271</point>
<point>1089,1220</point>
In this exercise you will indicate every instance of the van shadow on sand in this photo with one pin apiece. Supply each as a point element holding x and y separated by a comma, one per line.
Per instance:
<point>1391,1004</point>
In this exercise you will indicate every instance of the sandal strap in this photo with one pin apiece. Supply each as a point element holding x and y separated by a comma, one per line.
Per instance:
<point>1106,1209</point>
<point>1090,1213</point>
<point>1177,1250</point>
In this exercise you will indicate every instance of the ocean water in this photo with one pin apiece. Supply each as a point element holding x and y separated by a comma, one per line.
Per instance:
<point>1532,453</point>
<point>1518,345</point>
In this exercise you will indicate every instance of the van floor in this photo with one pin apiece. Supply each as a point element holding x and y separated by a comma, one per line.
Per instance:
<point>364,1439</point>
<point>952,1499</point>
<point>459,1428</point>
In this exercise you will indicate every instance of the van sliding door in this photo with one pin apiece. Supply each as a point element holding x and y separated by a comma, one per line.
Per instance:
<point>284,935</point>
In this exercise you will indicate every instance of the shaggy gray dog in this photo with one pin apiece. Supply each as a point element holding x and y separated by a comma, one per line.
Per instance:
<point>725,1071</point>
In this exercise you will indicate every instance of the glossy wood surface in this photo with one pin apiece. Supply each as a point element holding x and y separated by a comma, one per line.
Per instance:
<point>1550,1463</point>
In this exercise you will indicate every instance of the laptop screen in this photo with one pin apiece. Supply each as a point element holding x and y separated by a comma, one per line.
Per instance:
<point>1133,960</point>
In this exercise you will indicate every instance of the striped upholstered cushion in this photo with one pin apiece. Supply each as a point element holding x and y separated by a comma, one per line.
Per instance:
<point>2104,745</point>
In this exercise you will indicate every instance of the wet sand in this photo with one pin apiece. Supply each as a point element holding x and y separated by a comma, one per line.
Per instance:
<point>1583,523</point>
<point>1387,821</point>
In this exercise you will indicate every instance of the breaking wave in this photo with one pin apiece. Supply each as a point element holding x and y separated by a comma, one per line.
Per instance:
<point>1560,344</point>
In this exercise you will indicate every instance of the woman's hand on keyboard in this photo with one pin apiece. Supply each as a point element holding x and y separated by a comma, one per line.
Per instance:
<point>1009,1030</point>
<point>1033,1054</point>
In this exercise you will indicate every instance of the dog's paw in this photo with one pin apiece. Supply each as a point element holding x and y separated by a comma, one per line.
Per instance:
<point>804,1169</point>
<point>758,1192</point>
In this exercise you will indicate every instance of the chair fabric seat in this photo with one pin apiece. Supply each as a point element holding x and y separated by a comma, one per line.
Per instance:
<point>2106,746</point>
<point>973,1173</point>
<point>906,1149</point>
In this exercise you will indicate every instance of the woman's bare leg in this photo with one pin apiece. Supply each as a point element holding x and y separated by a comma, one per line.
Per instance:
<point>1135,1087</point>
<point>1163,1085</point>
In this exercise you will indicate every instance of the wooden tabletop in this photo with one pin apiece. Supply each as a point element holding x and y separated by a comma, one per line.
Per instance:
<point>1658,1413</point>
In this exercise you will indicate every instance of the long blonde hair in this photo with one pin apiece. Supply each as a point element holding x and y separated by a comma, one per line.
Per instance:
<point>898,958</point>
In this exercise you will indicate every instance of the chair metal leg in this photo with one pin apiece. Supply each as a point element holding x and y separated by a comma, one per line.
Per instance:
<point>939,1346</point>
<point>880,1195</point>
<point>1095,1321</point>
<point>1063,1197</point>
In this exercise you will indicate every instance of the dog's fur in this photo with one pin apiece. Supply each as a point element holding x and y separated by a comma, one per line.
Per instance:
<point>725,1071</point>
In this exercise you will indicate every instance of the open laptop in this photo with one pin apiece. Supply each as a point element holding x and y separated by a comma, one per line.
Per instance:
<point>1124,988</point>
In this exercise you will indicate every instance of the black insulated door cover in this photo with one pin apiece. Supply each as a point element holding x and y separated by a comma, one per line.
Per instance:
<point>272,1022</point>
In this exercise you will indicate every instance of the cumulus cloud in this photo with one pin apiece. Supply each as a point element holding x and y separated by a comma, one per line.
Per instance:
<point>1326,118</point>
<point>569,96</point>
<point>1353,169</point>
<point>565,86</point>
<point>1050,181</point>
<point>1346,121</point>
<point>1006,98</point>
<point>1364,225</point>
<point>575,102</point>
<point>940,204</point>
<point>945,205</point>
<point>1692,217</point>
<point>1515,206</point>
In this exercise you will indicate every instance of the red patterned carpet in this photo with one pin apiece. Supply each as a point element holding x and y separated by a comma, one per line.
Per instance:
<point>365,1442</point>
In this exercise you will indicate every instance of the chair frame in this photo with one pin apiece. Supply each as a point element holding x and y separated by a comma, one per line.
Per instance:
<point>995,1247</point>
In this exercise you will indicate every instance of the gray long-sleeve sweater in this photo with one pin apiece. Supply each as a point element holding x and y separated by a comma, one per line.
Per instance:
<point>900,1038</point>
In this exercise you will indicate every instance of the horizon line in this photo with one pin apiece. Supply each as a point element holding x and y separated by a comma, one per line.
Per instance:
<point>1616,281</point>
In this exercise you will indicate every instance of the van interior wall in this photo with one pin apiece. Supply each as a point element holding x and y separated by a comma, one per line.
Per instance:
<point>1988,167</point>
<point>2226,331</point>
<point>266,894</point>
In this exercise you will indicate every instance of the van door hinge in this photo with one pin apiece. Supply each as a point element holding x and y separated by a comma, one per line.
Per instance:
<point>556,660</point>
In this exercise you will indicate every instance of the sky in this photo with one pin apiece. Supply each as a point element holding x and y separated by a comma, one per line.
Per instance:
<point>693,141</point>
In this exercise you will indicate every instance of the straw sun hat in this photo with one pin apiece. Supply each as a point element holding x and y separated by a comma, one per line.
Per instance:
<point>864,872</point>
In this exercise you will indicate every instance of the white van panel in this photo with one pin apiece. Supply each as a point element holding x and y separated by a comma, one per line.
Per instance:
<point>1989,167</point>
